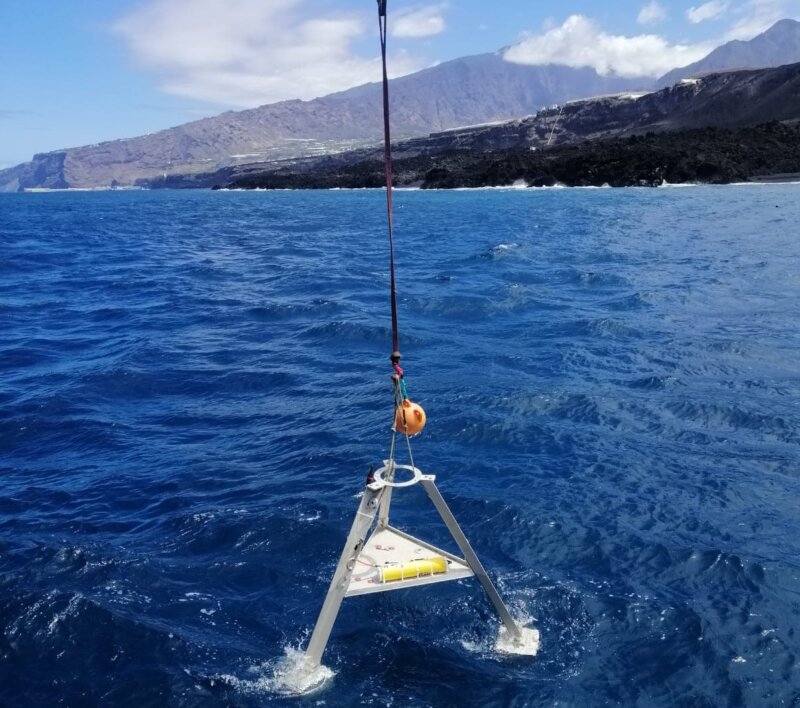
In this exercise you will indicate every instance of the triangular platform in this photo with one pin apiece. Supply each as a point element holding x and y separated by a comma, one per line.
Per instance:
<point>389,548</point>
<point>390,559</point>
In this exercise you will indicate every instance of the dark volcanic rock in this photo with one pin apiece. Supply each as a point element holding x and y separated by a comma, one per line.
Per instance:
<point>519,150</point>
<point>46,171</point>
<point>712,155</point>
<point>732,100</point>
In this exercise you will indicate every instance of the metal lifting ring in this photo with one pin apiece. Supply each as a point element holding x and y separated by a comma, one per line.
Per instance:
<point>390,467</point>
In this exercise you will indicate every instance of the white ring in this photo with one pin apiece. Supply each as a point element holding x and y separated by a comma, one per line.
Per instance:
<point>378,475</point>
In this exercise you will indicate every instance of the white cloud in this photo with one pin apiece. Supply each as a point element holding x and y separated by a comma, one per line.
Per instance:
<point>579,42</point>
<point>651,14</point>
<point>708,11</point>
<point>419,22</point>
<point>756,16</point>
<point>251,52</point>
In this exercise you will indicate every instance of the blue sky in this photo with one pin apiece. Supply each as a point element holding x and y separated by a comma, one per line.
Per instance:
<point>75,73</point>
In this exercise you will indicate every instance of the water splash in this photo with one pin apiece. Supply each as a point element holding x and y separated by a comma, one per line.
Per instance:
<point>290,675</point>
<point>526,645</point>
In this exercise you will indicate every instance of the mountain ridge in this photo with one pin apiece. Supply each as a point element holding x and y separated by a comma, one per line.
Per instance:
<point>778,45</point>
<point>465,91</point>
<point>738,105</point>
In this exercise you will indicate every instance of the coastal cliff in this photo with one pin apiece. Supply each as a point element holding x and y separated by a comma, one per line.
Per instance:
<point>724,127</point>
<point>708,155</point>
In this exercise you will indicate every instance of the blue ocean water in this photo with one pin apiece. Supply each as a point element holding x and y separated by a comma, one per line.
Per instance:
<point>193,385</point>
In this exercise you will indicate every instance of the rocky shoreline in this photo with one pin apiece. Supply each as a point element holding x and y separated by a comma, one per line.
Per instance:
<point>708,155</point>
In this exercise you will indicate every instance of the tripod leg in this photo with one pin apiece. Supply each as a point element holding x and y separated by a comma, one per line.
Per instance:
<point>341,576</point>
<point>470,556</point>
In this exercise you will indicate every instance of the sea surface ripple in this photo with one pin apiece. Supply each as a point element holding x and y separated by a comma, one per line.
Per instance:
<point>193,385</point>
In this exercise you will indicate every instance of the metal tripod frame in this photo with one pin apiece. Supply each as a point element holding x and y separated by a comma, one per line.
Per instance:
<point>375,502</point>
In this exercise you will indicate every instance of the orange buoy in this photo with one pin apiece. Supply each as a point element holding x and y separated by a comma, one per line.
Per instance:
<point>410,418</point>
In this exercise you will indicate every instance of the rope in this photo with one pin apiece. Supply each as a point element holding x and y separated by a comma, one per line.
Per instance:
<point>399,396</point>
<point>400,393</point>
<point>393,447</point>
<point>387,149</point>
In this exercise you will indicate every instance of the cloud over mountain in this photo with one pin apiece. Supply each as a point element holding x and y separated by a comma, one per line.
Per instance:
<point>252,52</point>
<point>579,42</point>
<point>419,22</point>
<point>712,10</point>
<point>756,16</point>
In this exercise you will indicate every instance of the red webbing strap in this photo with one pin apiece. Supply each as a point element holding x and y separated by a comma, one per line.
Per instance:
<point>388,165</point>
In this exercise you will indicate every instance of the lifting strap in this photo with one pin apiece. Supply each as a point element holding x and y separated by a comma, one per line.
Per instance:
<point>388,163</point>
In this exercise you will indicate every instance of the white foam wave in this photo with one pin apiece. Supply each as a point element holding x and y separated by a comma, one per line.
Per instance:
<point>71,610</point>
<point>686,185</point>
<point>677,185</point>
<point>308,518</point>
<point>763,184</point>
<point>290,675</point>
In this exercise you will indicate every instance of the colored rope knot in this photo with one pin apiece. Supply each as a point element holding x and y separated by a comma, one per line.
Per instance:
<point>401,392</point>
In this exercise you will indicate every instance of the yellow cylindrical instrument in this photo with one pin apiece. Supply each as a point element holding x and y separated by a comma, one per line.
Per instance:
<point>414,569</point>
